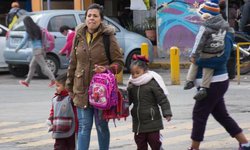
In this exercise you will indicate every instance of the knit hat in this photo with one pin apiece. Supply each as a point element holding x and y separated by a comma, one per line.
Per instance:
<point>211,7</point>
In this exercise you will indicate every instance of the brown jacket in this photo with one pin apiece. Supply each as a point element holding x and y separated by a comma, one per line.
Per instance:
<point>84,57</point>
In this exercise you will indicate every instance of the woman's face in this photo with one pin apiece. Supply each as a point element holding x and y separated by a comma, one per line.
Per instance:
<point>93,20</point>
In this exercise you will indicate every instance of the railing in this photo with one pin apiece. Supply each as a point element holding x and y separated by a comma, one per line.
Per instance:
<point>244,52</point>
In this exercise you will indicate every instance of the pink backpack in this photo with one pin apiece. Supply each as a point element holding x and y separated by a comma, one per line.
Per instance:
<point>103,91</point>
<point>48,40</point>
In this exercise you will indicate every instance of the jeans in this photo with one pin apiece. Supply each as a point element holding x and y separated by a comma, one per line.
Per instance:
<point>85,118</point>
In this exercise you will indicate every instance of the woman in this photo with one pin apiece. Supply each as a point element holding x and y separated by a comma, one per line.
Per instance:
<point>34,33</point>
<point>70,34</point>
<point>214,102</point>
<point>88,57</point>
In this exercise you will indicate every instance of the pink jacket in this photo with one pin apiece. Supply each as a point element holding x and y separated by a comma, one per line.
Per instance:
<point>68,46</point>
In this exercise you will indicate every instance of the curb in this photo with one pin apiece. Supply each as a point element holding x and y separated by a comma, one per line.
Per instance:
<point>166,65</point>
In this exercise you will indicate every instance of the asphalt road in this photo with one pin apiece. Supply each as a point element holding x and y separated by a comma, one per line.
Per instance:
<point>23,112</point>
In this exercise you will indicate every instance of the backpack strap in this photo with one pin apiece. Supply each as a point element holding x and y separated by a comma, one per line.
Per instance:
<point>106,41</point>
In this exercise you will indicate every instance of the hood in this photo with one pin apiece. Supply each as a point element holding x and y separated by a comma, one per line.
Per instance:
<point>216,22</point>
<point>103,29</point>
<point>12,10</point>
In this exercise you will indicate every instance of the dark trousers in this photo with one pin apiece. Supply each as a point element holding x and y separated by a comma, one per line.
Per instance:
<point>65,143</point>
<point>152,138</point>
<point>213,104</point>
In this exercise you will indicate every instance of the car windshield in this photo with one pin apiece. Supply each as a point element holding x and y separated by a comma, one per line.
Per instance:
<point>19,26</point>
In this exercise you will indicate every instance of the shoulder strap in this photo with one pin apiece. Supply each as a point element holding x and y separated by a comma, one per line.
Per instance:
<point>106,42</point>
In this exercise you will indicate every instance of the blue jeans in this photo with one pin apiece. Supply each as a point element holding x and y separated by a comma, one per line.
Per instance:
<point>85,118</point>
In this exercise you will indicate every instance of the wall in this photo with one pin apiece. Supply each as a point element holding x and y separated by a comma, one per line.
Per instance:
<point>178,25</point>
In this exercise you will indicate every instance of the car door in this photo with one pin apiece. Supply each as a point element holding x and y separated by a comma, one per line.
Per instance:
<point>2,46</point>
<point>54,25</point>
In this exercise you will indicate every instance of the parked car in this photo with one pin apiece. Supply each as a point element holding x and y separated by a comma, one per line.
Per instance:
<point>129,42</point>
<point>3,31</point>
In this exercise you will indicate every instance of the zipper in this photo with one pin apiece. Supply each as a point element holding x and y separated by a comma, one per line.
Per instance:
<point>138,96</point>
<point>152,111</point>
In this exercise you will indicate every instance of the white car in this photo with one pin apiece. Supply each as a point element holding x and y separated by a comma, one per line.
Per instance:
<point>3,31</point>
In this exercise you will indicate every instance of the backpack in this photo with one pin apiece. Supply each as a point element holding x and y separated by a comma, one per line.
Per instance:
<point>12,18</point>
<point>103,91</point>
<point>121,110</point>
<point>48,40</point>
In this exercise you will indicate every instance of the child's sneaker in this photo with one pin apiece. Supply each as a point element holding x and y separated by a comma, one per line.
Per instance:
<point>24,83</point>
<point>52,83</point>
<point>188,85</point>
<point>202,93</point>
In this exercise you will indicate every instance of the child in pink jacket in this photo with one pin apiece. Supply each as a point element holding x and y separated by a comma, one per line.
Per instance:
<point>70,34</point>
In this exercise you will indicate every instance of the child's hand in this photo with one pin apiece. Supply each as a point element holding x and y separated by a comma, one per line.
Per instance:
<point>192,59</point>
<point>168,118</point>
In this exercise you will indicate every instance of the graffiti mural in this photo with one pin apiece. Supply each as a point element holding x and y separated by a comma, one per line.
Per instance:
<point>178,24</point>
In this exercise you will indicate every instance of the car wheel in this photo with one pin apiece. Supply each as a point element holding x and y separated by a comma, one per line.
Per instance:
<point>53,65</point>
<point>19,70</point>
<point>129,58</point>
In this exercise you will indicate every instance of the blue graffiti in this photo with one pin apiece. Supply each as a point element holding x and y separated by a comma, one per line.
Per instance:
<point>167,19</point>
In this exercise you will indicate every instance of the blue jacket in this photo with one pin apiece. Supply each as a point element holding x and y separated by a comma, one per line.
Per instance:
<point>35,43</point>
<point>219,64</point>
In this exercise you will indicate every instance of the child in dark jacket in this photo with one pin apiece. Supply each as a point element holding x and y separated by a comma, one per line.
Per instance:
<point>62,120</point>
<point>209,43</point>
<point>147,91</point>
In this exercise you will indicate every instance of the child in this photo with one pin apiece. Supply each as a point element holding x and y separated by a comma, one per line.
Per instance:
<point>62,117</point>
<point>146,90</point>
<point>209,43</point>
<point>70,34</point>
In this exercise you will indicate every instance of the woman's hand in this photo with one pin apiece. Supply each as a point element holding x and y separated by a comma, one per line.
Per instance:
<point>100,69</point>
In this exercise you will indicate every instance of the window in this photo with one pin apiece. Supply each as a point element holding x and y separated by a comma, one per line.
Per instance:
<point>56,22</point>
<point>110,23</point>
<point>82,18</point>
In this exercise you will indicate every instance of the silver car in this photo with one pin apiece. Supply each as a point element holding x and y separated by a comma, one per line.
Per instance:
<point>129,42</point>
<point>3,31</point>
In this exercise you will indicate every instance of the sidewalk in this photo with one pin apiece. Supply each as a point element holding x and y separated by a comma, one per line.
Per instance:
<point>164,63</point>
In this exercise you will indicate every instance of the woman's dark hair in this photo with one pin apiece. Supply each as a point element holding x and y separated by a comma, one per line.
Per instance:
<point>64,27</point>
<point>95,6</point>
<point>32,28</point>
<point>62,78</point>
<point>140,61</point>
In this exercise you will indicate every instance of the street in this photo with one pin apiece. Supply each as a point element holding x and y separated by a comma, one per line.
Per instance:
<point>23,112</point>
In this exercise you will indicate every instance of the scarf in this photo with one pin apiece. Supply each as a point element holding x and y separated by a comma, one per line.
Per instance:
<point>61,95</point>
<point>148,76</point>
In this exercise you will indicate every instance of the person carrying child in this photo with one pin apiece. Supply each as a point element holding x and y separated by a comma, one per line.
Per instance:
<point>209,43</point>
<point>63,120</point>
<point>147,91</point>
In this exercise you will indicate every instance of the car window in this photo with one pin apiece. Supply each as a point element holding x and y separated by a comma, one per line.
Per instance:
<point>2,32</point>
<point>56,22</point>
<point>82,17</point>
<point>19,26</point>
<point>110,23</point>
